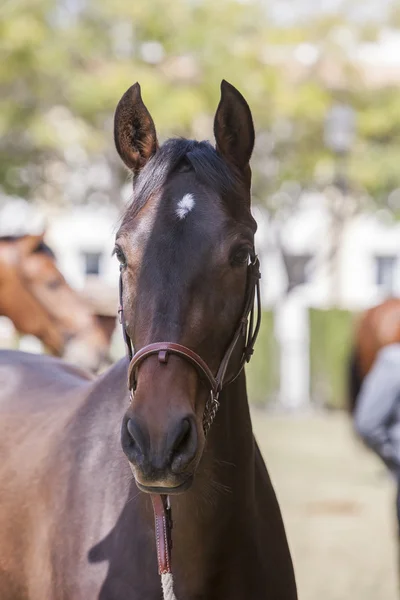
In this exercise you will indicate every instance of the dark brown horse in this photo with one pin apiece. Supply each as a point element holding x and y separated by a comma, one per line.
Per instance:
<point>38,300</point>
<point>73,524</point>
<point>377,327</point>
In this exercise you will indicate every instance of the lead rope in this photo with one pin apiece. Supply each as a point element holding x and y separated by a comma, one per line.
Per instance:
<point>167,584</point>
<point>163,517</point>
<point>163,526</point>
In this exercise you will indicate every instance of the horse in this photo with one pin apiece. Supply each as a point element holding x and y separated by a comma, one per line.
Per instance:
<point>39,302</point>
<point>378,326</point>
<point>82,459</point>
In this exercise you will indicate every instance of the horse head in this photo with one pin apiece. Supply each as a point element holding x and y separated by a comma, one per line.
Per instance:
<point>184,246</point>
<point>36,297</point>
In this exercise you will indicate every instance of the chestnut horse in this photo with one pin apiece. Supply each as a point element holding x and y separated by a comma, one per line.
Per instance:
<point>73,524</point>
<point>39,302</point>
<point>377,327</point>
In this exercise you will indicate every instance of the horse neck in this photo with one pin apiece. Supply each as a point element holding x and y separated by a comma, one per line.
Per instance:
<point>223,484</point>
<point>230,440</point>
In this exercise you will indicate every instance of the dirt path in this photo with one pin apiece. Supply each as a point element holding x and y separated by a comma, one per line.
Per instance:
<point>338,506</point>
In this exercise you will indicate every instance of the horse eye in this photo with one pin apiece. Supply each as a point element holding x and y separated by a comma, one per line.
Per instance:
<point>54,284</point>
<point>120,255</point>
<point>240,257</point>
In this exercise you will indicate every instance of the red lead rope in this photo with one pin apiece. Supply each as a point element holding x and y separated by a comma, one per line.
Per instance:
<point>163,526</point>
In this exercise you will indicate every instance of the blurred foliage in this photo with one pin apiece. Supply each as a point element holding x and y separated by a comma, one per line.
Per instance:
<point>331,333</point>
<point>65,64</point>
<point>262,372</point>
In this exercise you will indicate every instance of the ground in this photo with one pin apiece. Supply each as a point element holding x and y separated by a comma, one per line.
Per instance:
<point>338,506</point>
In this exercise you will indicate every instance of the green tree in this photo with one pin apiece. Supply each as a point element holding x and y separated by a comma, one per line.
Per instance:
<point>66,63</point>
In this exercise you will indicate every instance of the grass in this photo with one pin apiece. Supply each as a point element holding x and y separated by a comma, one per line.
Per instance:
<point>338,506</point>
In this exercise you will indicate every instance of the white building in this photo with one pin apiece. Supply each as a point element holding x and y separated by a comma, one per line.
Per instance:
<point>365,272</point>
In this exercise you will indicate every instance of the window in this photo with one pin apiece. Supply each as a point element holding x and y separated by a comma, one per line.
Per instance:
<point>92,262</point>
<point>298,268</point>
<point>384,271</point>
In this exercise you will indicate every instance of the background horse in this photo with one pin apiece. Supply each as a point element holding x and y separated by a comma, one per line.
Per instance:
<point>73,524</point>
<point>377,327</point>
<point>39,302</point>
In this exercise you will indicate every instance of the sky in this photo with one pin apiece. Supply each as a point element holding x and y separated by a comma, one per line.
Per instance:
<point>288,12</point>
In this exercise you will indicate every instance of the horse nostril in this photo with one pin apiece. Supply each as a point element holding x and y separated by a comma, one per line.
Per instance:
<point>184,447</point>
<point>133,440</point>
<point>180,441</point>
<point>136,434</point>
<point>131,429</point>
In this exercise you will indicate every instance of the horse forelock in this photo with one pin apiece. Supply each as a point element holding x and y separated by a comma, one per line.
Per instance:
<point>209,167</point>
<point>187,203</point>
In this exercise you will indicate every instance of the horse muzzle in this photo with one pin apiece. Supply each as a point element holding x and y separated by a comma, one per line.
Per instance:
<point>161,462</point>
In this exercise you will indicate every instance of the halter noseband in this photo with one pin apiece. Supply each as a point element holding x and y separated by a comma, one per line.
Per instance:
<point>247,329</point>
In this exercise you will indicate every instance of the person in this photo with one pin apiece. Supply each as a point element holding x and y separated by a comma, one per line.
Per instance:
<point>377,413</point>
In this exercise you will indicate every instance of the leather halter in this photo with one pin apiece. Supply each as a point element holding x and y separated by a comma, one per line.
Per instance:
<point>247,329</point>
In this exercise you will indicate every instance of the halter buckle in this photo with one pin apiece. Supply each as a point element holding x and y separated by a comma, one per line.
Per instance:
<point>248,353</point>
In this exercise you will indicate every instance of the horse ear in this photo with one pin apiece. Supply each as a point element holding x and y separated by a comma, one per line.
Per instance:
<point>233,127</point>
<point>134,131</point>
<point>29,243</point>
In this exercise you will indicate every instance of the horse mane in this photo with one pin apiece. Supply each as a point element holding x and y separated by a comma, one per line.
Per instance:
<point>42,247</point>
<point>208,165</point>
